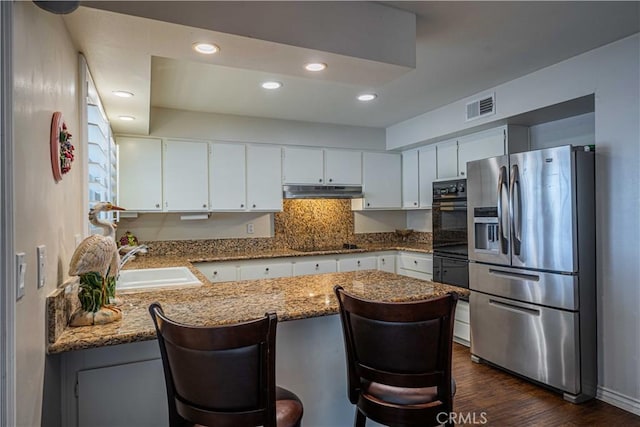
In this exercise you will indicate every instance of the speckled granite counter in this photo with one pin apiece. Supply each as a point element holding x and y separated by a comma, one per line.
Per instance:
<point>291,298</point>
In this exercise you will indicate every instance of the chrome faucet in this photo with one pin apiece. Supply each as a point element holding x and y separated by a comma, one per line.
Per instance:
<point>143,249</point>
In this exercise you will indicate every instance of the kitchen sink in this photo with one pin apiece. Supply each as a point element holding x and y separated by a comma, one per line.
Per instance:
<point>150,278</point>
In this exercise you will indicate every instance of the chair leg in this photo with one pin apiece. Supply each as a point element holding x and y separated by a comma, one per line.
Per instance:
<point>360,420</point>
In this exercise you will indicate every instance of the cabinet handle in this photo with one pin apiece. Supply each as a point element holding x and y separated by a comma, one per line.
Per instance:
<point>415,262</point>
<point>215,273</point>
<point>266,269</point>
<point>461,173</point>
<point>242,206</point>
<point>368,204</point>
<point>157,205</point>
<point>317,266</point>
<point>330,179</point>
<point>358,262</point>
<point>204,205</point>
<point>382,260</point>
<point>415,203</point>
<point>254,205</point>
<point>320,180</point>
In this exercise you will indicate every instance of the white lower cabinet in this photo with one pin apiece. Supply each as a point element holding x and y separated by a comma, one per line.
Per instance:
<point>265,270</point>
<point>218,272</point>
<point>355,263</point>
<point>418,266</point>
<point>314,266</point>
<point>387,262</point>
<point>461,327</point>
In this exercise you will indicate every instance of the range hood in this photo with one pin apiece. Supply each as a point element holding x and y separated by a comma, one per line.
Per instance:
<point>322,191</point>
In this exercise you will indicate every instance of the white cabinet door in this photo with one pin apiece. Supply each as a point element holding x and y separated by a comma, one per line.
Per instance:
<point>303,166</point>
<point>186,176</point>
<point>387,263</point>
<point>447,154</point>
<point>218,272</point>
<point>342,167</point>
<point>265,270</point>
<point>317,266</point>
<point>410,179</point>
<point>427,169</point>
<point>481,145</point>
<point>140,170</point>
<point>142,385</point>
<point>264,178</point>
<point>352,263</point>
<point>419,266</point>
<point>461,327</point>
<point>382,178</point>
<point>227,177</point>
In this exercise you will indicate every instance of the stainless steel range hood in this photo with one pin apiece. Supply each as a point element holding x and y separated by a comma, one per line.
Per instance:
<point>322,191</point>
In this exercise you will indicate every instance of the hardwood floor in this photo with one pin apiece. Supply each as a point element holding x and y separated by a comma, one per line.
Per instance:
<point>507,400</point>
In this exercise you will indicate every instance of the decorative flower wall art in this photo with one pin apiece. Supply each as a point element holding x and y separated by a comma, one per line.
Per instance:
<point>61,147</point>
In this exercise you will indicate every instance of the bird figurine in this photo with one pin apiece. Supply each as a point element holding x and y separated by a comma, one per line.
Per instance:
<point>96,261</point>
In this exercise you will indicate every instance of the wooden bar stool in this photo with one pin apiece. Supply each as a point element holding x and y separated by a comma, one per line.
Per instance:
<point>399,359</point>
<point>225,375</point>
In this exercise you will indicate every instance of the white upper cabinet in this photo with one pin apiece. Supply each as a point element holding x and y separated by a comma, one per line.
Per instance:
<point>227,177</point>
<point>140,174</point>
<point>186,176</point>
<point>447,154</point>
<point>427,168</point>
<point>382,179</point>
<point>481,145</point>
<point>342,167</point>
<point>303,166</point>
<point>410,179</point>
<point>264,178</point>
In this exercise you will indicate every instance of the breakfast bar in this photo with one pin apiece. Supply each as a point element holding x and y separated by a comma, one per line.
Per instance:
<point>118,364</point>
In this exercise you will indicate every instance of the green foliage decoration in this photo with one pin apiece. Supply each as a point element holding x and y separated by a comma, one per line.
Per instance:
<point>90,291</point>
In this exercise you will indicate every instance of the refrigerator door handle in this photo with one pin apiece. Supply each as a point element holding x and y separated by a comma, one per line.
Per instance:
<point>514,307</point>
<point>502,182</point>
<point>511,275</point>
<point>516,233</point>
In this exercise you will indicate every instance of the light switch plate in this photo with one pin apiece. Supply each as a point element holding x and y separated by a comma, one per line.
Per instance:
<point>21,271</point>
<point>42,265</point>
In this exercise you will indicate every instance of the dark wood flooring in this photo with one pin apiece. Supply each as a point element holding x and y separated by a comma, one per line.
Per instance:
<point>507,400</point>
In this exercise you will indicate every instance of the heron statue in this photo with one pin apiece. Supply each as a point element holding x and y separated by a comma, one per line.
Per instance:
<point>96,261</point>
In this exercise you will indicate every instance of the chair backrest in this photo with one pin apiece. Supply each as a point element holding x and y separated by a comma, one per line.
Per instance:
<point>406,344</point>
<point>223,376</point>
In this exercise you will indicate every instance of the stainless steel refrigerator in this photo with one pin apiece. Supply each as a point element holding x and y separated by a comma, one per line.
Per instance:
<point>531,232</point>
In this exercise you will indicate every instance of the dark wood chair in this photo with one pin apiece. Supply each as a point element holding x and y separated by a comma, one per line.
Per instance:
<point>399,359</point>
<point>223,376</point>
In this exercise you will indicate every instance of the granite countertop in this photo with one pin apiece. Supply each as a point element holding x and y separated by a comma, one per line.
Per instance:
<point>217,304</point>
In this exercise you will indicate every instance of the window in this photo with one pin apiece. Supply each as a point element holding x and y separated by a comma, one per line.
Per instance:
<point>101,154</point>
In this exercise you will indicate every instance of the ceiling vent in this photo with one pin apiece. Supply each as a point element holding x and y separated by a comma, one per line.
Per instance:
<point>481,107</point>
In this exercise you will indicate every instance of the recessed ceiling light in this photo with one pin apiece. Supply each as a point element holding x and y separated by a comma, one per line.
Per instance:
<point>271,85</point>
<point>315,66</point>
<point>206,48</point>
<point>367,97</point>
<point>122,93</point>
<point>127,118</point>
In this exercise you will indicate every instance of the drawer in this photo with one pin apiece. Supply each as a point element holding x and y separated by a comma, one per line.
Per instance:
<point>265,271</point>
<point>387,263</point>
<point>416,263</point>
<point>415,274</point>
<point>462,311</point>
<point>218,273</point>
<point>301,268</point>
<point>358,263</point>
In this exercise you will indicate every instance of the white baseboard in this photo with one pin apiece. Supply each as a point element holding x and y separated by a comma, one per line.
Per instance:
<point>614,398</point>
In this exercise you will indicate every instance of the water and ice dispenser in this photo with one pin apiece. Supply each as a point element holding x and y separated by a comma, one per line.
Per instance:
<point>486,227</point>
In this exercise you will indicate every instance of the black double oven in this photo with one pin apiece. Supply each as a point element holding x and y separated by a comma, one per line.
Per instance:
<point>450,256</point>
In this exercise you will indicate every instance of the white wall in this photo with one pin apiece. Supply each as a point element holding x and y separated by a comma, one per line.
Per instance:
<point>46,213</point>
<point>219,225</point>
<point>612,74</point>
<point>168,123</point>
<point>578,130</point>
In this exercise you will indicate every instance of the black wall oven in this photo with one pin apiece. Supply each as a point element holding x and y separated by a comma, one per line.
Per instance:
<point>449,217</point>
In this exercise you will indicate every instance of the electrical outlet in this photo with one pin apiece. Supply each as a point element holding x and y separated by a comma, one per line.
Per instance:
<point>250,228</point>
<point>21,271</point>
<point>42,265</point>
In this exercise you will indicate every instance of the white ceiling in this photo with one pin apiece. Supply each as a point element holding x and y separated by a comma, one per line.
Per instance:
<point>462,48</point>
